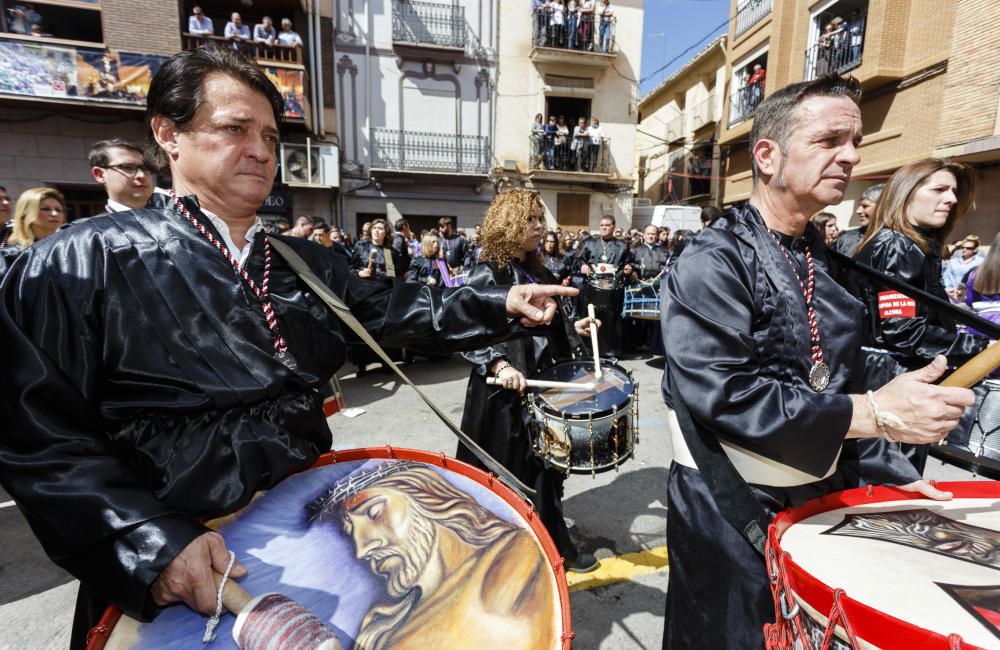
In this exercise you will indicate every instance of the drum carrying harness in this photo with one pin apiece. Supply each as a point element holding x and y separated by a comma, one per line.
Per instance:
<point>338,307</point>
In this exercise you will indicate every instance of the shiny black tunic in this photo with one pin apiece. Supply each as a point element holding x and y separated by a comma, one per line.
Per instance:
<point>595,250</point>
<point>498,420</point>
<point>423,269</point>
<point>140,390</point>
<point>738,346</point>
<point>648,260</point>
<point>363,251</point>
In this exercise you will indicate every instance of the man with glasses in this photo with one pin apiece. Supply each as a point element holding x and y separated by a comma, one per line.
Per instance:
<point>118,165</point>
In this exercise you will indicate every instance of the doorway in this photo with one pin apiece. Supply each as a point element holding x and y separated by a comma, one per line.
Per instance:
<point>572,108</point>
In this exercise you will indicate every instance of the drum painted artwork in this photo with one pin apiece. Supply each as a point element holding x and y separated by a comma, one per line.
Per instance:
<point>586,432</point>
<point>381,548</point>
<point>890,568</point>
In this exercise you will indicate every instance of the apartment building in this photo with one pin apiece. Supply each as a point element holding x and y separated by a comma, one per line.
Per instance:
<point>83,73</point>
<point>572,67</point>
<point>677,140</point>
<point>930,71</point>
<point>415,85</point>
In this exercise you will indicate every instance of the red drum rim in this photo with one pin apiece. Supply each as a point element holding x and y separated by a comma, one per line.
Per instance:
<point>99,634</point>
<point>879,628</point>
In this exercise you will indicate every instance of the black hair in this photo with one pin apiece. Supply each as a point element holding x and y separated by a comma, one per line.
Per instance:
<point>98,156</point>
<point>176,90</point>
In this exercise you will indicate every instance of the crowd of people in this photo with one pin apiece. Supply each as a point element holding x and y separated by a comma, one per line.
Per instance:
<point>240,35</point>
<point>554,147</point>
<point>585,25</point>
<point>840,43</point>
<point>189,362</point>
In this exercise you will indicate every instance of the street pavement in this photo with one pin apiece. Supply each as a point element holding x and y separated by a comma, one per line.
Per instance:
<point>620,516</point>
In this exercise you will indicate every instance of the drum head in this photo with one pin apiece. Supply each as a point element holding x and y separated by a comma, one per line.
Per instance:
<point>614,389</point>
<point>405,513</point>
<point>913,570</point>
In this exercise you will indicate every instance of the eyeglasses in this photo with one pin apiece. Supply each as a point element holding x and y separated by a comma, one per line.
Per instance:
<point>129,169</point>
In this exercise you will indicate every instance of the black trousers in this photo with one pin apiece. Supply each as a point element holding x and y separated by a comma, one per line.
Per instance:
<point>89,609</point>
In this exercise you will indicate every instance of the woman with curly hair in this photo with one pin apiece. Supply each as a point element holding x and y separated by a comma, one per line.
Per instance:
<point>918,208</point>
<point>496,418</point>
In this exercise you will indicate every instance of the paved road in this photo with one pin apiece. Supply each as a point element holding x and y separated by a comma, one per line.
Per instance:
<point>620,515</point>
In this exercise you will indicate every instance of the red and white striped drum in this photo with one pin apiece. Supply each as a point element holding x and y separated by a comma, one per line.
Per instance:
<point>884,568</point>
<point>379,548</point>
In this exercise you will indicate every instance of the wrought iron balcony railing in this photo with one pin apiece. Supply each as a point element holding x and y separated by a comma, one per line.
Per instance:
<point>744,101</point>
<point>430,152</point>
<point>572,31</point>
<point>838,51</point>
<point>749,13</point>
<point>562,154</point>
<point>259,51</point>
<point>428,23</point>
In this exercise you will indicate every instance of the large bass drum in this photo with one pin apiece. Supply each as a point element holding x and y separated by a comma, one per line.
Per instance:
<point>884,568</point>
<point>586,432</point>
<point>336,552</point>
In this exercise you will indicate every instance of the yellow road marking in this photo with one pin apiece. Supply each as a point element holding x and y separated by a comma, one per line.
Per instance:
<point>619,569</point>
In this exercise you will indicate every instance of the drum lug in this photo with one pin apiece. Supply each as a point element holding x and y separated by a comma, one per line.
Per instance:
<point>590,436</point>
<point>614,436</point>
<point>787,615</point>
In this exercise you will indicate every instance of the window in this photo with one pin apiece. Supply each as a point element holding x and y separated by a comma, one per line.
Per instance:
<point>748,86</point>
<point>74,20</point>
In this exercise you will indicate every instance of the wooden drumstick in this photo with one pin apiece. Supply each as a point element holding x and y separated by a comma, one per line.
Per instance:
<point>372,256</point>
<point>234,597</point>
<point>593,340</point>
<point>543,383</point>
<point>975,369</point>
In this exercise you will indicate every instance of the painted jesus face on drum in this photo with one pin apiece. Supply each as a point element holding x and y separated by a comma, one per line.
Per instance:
<point>390,535</point>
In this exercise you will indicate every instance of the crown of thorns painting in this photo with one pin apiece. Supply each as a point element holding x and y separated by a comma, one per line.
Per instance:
<point>390,554</point>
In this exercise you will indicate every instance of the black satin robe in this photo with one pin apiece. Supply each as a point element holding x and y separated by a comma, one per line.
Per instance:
<point>140,390</point>
<point>498,420</point>
<point>593,250</point>
<point>915,341</point>
<point>738,346</point>
<point>423,269</point>
<point>363,251</point>
<point>648,260</point>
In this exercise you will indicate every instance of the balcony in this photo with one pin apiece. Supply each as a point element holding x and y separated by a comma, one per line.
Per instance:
<point>428,25</point>
<point>838,51</point>
<point>749,13</point>
<point>744,101</point>
<point>558,37</point>
<point>675,128</point>
<point>703,113</point>
<point>262,52</point>
<point>554,160</point>
<point>436,153</point>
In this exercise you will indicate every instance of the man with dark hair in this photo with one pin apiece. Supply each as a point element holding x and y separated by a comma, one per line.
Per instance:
<point>708,216</point>
<point>848,240</point>
<point>453,246</point>
<point>762,360</point>
<point>118,165</point>
<point>609,257</point>
<point>303,228</point>
<point>185,376</point>
<point>401,241</point>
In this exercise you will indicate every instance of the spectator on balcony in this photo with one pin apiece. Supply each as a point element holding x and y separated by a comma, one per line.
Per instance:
<point>537,141</point>
<point>22,18</point>
<point>562,144</point>
<point>585,25</point>
<point>595,136</point>
<point>551,130</point>
<point>236,31</point>
<point>288,37</point>
<point>540,14</point>
<point>119,166</point>
<point>264,32</point>
<point>607,14</point>
<point>756,84</point>
<point>855,35</point>
<point>579,145</point>
<point>572,22</point>
<point>199,24</point>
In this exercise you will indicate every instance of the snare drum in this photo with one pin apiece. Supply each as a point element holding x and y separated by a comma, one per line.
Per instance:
<point>883,568</point>
<point>978,448</point>
<point>302,538</point>
<point>642,301</point>
<point>586,431</point>
<point>602,291</point>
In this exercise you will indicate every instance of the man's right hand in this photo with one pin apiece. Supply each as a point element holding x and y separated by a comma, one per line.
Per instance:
<point>189,578</point>
<point>585,269</point>
<point>929,412</point>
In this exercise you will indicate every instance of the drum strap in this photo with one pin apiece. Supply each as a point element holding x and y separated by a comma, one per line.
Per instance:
<point>344,312</point>
<point>959,315</point>
<point>732,495</point>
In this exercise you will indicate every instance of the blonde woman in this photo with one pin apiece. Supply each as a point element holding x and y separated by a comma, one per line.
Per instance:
<point>39,213</point>
<point>497,419</point>
<point>423,268</point>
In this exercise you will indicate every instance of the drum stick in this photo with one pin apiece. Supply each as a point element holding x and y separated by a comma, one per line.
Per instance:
<point>372,256</point>
<point>593,340</point>
<point>972,371</point>
<point>234,597</point>
<point>542,383</point>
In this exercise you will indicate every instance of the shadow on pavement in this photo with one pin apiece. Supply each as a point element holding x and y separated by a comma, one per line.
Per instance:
<point>25,570</point>
<point>379,383</point>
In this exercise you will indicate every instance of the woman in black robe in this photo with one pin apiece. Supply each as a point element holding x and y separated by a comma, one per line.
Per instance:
<point>423,268</point>
<point>918,208</point>
<point>370,257</point>
<point>496,417</point>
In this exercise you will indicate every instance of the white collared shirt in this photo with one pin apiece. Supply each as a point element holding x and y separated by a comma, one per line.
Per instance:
<point>115,206</point>
<point>241,254</point>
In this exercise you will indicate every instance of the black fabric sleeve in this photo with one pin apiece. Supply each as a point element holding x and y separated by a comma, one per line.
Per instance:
<point>93,512</point>
<point>483,276</point>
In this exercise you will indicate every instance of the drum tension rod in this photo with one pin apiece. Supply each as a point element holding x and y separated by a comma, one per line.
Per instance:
<point>590,436</point>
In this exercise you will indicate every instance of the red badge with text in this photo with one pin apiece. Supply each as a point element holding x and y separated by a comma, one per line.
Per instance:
<point>892,304</point>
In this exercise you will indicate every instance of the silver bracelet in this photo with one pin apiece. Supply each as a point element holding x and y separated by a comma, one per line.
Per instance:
<point>884,419</point>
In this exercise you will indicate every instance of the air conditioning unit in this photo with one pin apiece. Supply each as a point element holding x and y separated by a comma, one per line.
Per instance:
<point>310,165</point>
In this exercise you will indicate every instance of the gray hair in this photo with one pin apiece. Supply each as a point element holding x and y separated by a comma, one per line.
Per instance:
<point>777,116</point>
<point>873,193</point>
